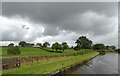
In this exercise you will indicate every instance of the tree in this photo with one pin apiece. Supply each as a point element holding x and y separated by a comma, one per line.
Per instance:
<point>11,44</point>
<point>107,47</point>
<point>13,50</point>
<point>110,47</point>
<point>28,45</point>
<point>39,44</point>
<point>60,47</point>
<point>56,46</point>
<point>72,47</point>
<point>64,46</point>
<point>76,48</point>
<point>46,44</point>
<point>99,47</point>
<point>32,45</point>
<point>113,47</point>
<point>83,42</point>
<point>53,46</point>
<point>22,44</point>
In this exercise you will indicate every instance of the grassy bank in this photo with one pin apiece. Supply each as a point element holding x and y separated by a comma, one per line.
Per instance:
<point>30,51</point>
<point>50,66</point>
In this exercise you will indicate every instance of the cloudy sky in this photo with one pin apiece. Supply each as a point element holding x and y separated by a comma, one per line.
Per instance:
<point>38,22</point>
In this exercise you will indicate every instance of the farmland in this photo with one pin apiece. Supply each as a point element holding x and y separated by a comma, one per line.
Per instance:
<point>30,51</point>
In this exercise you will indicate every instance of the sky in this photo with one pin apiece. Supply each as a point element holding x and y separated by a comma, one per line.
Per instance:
<point>39,22</point>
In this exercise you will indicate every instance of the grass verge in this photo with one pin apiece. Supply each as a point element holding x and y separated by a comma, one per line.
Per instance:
<point>50,66</point>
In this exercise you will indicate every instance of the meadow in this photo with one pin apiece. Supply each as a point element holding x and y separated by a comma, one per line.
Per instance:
<point>30,51</point>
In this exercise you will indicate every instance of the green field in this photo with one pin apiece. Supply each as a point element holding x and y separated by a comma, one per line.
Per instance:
<point>30,51</point>
<point>50,66</point>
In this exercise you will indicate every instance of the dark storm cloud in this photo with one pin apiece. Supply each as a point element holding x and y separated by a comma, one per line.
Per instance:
<point>58,13</point>
<point>78,18</point>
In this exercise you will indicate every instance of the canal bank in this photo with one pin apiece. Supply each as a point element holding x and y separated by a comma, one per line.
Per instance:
<point>50,66</point>
<point>101,65</point>
<point>66,69</point>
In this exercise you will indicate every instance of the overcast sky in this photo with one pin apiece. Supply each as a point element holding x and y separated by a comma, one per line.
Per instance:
<point>39,22</point>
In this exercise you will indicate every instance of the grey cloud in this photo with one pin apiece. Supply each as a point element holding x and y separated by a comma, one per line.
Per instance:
<point>57,13</point>
<point>69,16</point>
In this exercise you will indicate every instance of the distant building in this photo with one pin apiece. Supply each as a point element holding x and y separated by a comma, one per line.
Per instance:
<point>36,46</point>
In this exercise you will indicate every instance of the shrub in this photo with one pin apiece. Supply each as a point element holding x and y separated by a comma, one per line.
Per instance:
<point>99,47</point>
<point>76,48</point>
<point>13,50</point>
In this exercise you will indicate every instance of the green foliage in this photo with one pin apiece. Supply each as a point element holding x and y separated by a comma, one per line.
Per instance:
<point>72,47</point>
<point>113,47</point>
<point>83,43</point>
<point>22,43</point>
<point>117,50</point>
<point>76,48</point>
<point>11,44</point>
<point>99,47</point>
<point>13,50</point>
<point>107,47</point>
<point>110,47</point>
<point>64,46</point>
<point>32,45</point>
<point>56,46</point>
<point>39,44</point>
<point>46,44</point>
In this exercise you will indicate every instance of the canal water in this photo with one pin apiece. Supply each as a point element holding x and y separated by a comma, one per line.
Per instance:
<point>102,64</point>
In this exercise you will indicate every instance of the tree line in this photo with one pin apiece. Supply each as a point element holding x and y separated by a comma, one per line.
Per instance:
<point>82,43</point>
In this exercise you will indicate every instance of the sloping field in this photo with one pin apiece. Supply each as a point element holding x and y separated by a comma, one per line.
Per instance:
<point>50,66</point>
<point>29,51</point>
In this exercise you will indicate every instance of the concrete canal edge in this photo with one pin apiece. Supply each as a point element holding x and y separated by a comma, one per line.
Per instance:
<point>70,67</point>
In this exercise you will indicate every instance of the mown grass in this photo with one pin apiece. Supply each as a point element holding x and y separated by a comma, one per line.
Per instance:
<point>30,51</point>
<point>66,51</point>
<point>50,66</point>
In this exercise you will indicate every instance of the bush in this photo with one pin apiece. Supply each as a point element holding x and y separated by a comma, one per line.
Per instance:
<point>13,50</point>
<point>99,47</point>
<point>76,48</point>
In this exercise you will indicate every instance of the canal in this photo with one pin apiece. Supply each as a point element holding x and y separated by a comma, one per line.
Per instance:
<point>102,64</point>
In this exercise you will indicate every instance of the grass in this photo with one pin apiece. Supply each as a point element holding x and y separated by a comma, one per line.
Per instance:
<point>30,51</point>
<point>50,66</point>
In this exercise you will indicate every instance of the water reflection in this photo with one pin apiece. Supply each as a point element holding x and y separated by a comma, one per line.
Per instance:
<point>102,64</point>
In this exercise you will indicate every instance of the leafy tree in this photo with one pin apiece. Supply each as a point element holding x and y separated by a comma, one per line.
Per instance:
<point>117,50</point>
<point>99,47</point>
<point>28,45</point>
<point>76,48</point>
<point>22,44</point>
<point>13,50</point>
<point>46,44</point>
<point>11,44</point>
<point>39,44</point>
<point>64,46</point>
<point>113,47</point>
<point>83,42</point>
<point>53,46</point>
<point>107,47</point>
<point>72,47</point>
<point>60,46</point>
<point>110,47</point>
<point>32,45</point>
<point>56,46</point>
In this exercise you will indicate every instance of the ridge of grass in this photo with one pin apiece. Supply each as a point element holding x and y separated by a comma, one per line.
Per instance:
<point>30,51</point>
<point>50,66</point>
